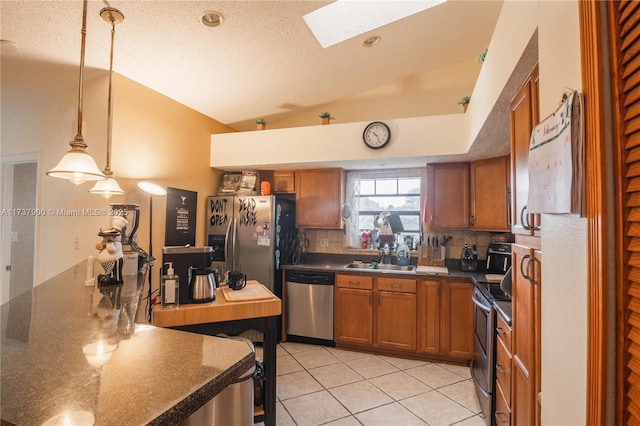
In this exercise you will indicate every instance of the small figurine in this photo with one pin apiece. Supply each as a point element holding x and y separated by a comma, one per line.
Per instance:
<point>386,234</point>
<point>111,257</point>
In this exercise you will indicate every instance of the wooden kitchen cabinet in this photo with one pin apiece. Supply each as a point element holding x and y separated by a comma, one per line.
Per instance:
<point>319,198</point>
<point>503,367</point>
<point>395,314</point>
<point>447,196</point>
<point>282,181</point>
<point>490,195</point>
<point>526,324</point>
<point>524,116</point>
<point>353,309</point>
<point>456,320</point>
<point>429,316</point>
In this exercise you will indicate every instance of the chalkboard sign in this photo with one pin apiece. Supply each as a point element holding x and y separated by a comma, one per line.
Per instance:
<point>181,217</point>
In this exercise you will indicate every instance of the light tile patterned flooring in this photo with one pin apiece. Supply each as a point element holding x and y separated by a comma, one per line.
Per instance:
<point>319,385</point>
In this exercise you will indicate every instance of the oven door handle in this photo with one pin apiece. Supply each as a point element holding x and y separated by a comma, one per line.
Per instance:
<point>485,393</point>
<point>480,304</point>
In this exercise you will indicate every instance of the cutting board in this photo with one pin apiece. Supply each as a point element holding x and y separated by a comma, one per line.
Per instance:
<point>252,291</point>
<point>432,270</point>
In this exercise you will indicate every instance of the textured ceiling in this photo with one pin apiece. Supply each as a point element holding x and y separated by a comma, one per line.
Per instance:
<point>262,62</point>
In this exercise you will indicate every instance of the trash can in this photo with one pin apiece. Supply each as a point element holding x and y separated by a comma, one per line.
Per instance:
<point>234,405</point>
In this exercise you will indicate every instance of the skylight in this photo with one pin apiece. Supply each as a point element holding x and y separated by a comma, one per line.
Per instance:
<point>344,19</point>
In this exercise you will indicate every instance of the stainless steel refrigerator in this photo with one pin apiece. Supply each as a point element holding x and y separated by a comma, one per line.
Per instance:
<point>246,234</point>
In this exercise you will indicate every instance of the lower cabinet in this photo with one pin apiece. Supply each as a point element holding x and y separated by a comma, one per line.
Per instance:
<point>504,363</point>
<point>353,309</point>
<point>401,314</point>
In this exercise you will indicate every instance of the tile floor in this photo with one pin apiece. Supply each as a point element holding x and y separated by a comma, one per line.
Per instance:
<point>319,385</point>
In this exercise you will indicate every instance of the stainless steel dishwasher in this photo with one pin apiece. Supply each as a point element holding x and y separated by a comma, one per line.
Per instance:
<point>309,306</point>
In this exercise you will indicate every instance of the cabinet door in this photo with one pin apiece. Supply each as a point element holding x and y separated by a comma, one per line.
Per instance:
<point>353,309</point>
<point>396,320</point>
<point>524,116</point>
<point>457,320</point>
<point>429,316</point>
<point>537,295</point>
<point>283,182</point>
<point>319,197</point>
<point>490,195</point>
<point>523,335</point>
<point>447,196</point>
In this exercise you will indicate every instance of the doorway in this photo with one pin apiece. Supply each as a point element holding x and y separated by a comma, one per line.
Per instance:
<point>19,182</point>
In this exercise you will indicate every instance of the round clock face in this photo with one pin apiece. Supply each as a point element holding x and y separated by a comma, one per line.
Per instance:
<point>376,135</point>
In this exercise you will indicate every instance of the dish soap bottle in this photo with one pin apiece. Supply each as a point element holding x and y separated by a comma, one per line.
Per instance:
<point>169,288</point>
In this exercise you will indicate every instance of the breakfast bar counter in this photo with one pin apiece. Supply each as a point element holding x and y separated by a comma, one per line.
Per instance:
<point>62,363</point>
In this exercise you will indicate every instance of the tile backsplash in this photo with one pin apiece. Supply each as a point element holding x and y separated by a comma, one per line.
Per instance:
<point>334,241</point>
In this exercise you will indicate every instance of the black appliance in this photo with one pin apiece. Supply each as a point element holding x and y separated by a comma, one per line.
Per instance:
<point>498,258</point>
<point>184,257</point>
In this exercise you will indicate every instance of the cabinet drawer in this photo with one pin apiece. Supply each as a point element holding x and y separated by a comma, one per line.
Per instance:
<point>502,415</point>
<point>503,370</point>
<point>503,330</point>
<point>354,281</point>
<point>397,284</point>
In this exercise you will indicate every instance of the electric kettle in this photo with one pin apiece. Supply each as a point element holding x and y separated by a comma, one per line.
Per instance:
<point>202,285</point>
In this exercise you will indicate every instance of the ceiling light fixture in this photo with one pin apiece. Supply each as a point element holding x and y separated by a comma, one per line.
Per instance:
<point>345,19</point>
<point>109,187</point>
<point>371,41</point>
<point>77,165</point>
<point>212,18</point>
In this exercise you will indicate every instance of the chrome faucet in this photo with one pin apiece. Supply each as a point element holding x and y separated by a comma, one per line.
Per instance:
<point>384,256</point>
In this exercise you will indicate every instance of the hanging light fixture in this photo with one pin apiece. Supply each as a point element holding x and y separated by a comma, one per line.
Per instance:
<point>109,187</point>
<point>77,165</point>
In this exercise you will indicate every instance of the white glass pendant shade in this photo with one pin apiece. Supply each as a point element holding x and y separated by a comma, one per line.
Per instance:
<point>107,188</point>
<point>78,167</point>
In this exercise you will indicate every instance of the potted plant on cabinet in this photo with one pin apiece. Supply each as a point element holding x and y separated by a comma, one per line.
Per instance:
<point>326,117</point>
<point>261,123</point>
<point>464,101</point>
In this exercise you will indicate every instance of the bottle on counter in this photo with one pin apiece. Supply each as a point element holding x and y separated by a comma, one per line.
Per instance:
<point>169,288</point>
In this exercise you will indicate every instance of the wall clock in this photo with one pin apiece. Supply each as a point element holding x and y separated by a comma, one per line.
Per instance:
<point>376,135</point>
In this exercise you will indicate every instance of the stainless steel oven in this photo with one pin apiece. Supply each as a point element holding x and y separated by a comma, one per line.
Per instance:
<point>483,350</point>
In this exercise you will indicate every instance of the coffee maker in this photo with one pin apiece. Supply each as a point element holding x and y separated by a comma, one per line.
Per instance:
<point>186,260</point>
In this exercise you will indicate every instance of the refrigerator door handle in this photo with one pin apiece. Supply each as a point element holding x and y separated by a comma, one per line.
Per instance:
<point>234,246</point>
<point>227,245</point>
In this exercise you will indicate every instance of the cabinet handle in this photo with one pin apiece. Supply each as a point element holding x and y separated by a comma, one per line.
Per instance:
<point>354,282</point>
<point>499,367</point>
<point>396,285</point>
<point>500,330</point>
<point>471,220</point>
<point>499,417</point>
<point>527,274</point>
<point>526,225</point>
<point>509,222</point>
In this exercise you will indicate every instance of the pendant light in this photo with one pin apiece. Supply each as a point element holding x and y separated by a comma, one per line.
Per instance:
<point>109,187</point>
<point>77,165</point>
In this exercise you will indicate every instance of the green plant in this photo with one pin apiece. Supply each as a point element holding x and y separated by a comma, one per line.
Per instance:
<point>464,100</point>
<point>483,55</point>
<point>325,114</point>
<point>261,121</point>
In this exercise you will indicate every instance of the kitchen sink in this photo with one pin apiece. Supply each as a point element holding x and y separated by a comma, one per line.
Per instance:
<point>380,266</point>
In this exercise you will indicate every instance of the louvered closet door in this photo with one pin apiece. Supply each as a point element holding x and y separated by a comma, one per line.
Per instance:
<point>626,67</point>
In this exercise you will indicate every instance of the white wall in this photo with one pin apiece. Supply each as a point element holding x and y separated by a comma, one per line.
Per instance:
<point>564,239</point>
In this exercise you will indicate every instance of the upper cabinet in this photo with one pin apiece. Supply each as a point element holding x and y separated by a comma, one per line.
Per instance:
<point>447,196</point>
<point>282,181</point>
<point>319,198</point>
<point>468,195</point>
<point>490,195</point>
<point>524,116</point>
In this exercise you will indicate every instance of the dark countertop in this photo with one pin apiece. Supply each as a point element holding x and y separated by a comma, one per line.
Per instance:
<point>154,376</point>
<point>504,310</point>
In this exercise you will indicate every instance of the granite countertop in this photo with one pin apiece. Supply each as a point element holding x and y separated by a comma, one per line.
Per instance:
<point>51,372</point>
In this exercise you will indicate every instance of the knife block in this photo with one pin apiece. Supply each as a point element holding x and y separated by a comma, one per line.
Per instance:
<point>432,256</point>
